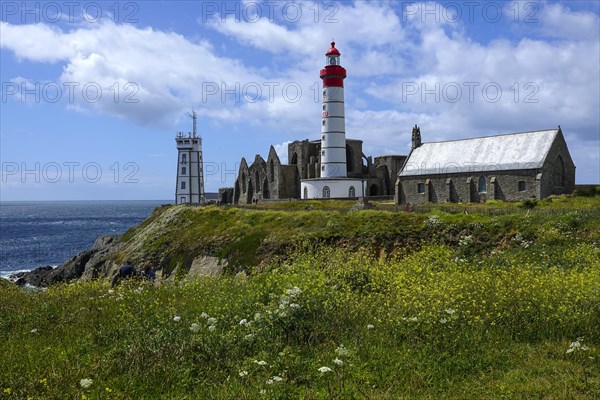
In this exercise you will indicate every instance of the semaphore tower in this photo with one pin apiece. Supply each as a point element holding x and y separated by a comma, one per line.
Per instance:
<point>190,175</point>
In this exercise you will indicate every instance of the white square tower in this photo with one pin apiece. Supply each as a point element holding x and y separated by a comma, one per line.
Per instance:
<point>190,175</point>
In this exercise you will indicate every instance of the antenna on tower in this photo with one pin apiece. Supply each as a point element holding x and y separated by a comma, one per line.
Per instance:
<point>193,115</point>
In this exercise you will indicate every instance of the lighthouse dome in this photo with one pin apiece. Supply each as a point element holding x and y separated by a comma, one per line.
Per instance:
<point>332,51</point>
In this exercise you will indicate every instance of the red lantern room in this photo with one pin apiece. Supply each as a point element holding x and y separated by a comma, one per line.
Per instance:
<point>333,74</point>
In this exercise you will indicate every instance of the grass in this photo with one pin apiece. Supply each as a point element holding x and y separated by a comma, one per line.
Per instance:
<point>397,306</point>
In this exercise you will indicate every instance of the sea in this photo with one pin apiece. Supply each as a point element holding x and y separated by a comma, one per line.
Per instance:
<point>40,233</point>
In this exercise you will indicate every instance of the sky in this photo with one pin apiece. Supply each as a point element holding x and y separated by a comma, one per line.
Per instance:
<point>93,93</point>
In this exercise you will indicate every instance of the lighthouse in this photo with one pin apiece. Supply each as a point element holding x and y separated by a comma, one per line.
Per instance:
<point>190,175</point>
<point>333,126</point>
<point>333,181</point>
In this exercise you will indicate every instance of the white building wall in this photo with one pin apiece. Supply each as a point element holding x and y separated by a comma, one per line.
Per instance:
<point>338,188</point>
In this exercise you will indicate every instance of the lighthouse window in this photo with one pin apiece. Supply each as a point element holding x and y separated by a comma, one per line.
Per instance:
<point>183,170</point>
<point>184,158</point>
<point>322,168</point>
<point>323,137</point>
<point>322,152</point>
<point>326,192</point>
<point>323,122</point>
<point>183,185</point>
<point>324,107</point>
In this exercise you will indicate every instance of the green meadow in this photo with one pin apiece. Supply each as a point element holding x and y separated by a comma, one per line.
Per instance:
<point>501,302</point>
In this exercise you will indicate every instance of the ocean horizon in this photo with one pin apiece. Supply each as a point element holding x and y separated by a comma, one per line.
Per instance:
<point>40,233</point>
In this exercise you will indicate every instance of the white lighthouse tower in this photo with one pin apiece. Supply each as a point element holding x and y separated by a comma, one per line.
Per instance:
<point>333,181</point>
<point>190,175</point>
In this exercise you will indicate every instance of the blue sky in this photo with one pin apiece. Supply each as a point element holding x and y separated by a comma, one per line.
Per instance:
<point>93,93</point>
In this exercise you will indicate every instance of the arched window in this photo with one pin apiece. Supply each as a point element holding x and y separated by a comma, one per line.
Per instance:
<point>257,180</point>
<point>374,190</point>
<point>305,192</point>
<point>326,192</point>
<point>272,170</point>
<point>482,184</point>
<point>243,182</point>
<point>351,192</point>
<point>349,159</point>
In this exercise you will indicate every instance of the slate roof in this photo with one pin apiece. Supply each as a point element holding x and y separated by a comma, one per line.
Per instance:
<point>525,150</point>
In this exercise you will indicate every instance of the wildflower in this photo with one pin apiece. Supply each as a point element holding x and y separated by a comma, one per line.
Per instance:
<point>257,317</point>
<point>277,378</point>
<point>342,351</point>
<point>139,290</point>
<point>324,369</point>
<point>204,315</point>
<point>212,328</point>
<point>450,311</point>
<point>34,330</point>
<point>108,390</point>
<point>295,306</point>
<point>414,319</point>
<point>211,321</point>
<point>576,346</point>
<point>244,321</point>
<point>443,320</point>
<point>339,362</point>
<point>86,383</point>
<point>8,391</point>
<point>177,318</point>
<point>370,326</point>
<point>195,327</point>
<point>263,392</point>
<point>269,381</point>
<point>110,291</point>
<point>293,292</point>
<point>261,362</point>
<point>243,373</point>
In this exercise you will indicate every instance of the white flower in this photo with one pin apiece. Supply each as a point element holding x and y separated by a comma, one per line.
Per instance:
<point>249,336</point>
<point>263,392</point>
<point>243,373</point>
<point>370,326</point>
<point>211,321</point>
<point>269,381</point>
<point>177,318</point>
<point>34,330</point>
<point>86,383</point>
<point>212,328</point>
<point>204,315</point>
<point>324,369</point>
<point>257,317</point>
<point>342,351</point>
<point>450,311</point>
<point>295,306</point>
<point>414,319</point>
<point>337,361</point>
<point>277,378</point>
<point>244,321</point>
<point>261,362</point>
<point>443,320</point>
<point>195,327</point>
<point>110,291</point>
<point>139,290</point>
<point>293,292</point>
